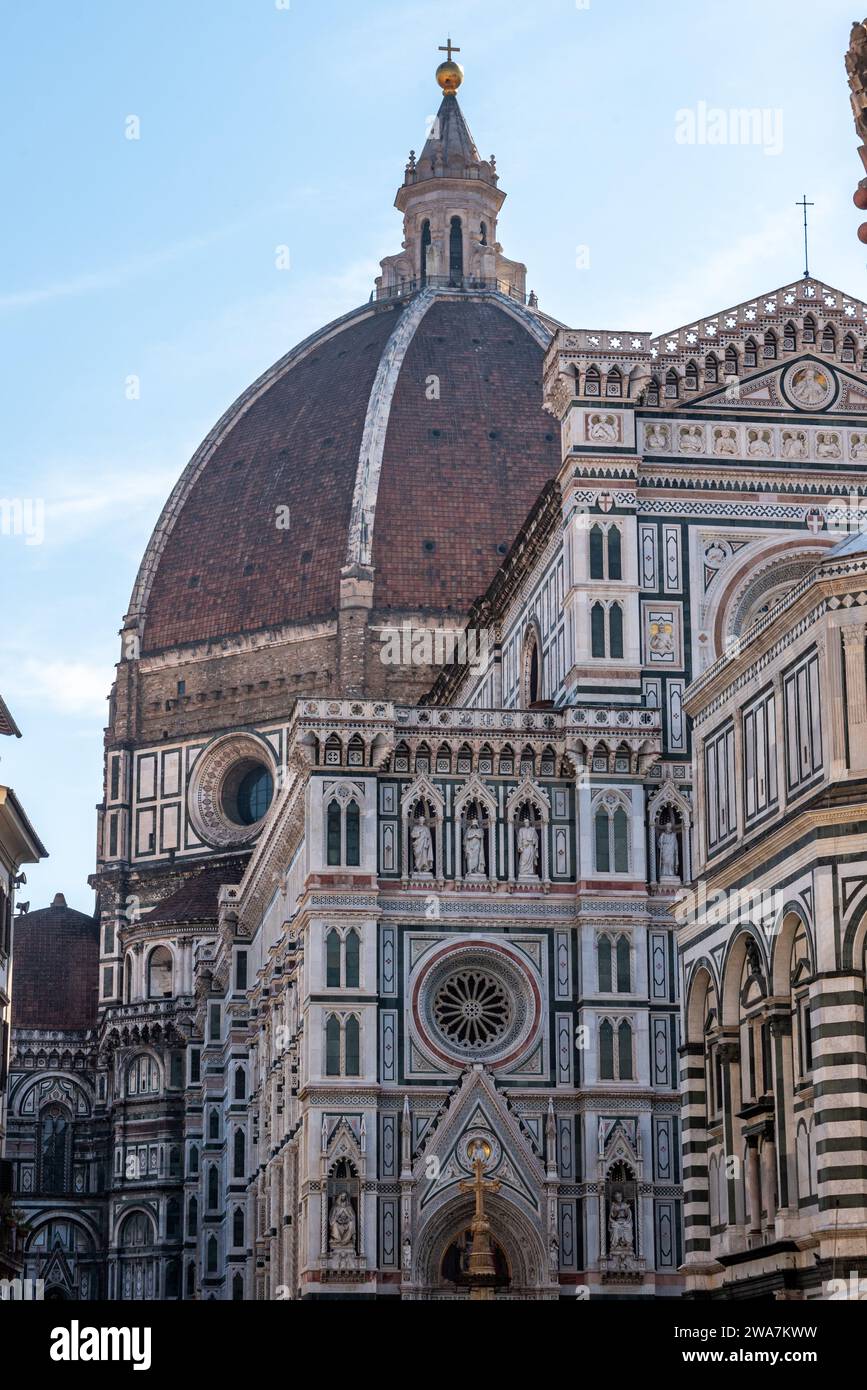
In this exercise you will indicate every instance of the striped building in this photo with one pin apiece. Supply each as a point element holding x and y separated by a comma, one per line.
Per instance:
<point>772,938</point>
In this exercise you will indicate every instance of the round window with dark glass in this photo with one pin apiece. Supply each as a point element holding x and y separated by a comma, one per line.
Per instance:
<point>247,792</point>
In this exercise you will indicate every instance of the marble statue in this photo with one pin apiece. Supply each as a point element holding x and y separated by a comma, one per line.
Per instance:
<point>341,1224</point>
<point>422,848</point>
<point>668,851</point>
<point>474,848</point>
<point>621,1237</point>
<point>528,850</point>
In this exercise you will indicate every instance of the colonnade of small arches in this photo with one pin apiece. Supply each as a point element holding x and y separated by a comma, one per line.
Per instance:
<point>710,369</point>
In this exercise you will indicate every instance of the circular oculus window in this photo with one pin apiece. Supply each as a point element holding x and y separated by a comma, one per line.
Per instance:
<point>231,788</point>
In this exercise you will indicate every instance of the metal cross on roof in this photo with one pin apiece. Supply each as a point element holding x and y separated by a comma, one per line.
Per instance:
<point>804,204</point>
<point>447,48</point>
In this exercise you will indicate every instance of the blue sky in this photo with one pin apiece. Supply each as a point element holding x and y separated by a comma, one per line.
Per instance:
<point>265,124</point>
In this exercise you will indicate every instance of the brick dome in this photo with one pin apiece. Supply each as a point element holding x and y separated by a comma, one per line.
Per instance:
<point>55,964</point>
<point>408,442</point>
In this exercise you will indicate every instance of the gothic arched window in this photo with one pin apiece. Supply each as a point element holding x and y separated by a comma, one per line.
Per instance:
<point>751,353</point>
<point>829,338</point>
<point>624,965</point>
<point>160,973</point>
<point>352,1047</point>
<point>333,832</point>
<point>238,1226</point>
<point>848,351</point>
<point>352,957</point>
<point>597,553</point>
<point>425,247</point>
<point>239,1154</point>
<point>770,346</point>
<point>603,965</point>
<point>456,251</point>
<point>611,833</point>
<point>672,385</point>
<point>213,1188</point>
<point>615,630</point>
<point>353,834</point>
<point>731,360</point>
<point>597,630</point>
<point>214,1124</point>
<point>592,382</point>
<point>614,558</point>
<point>332,1046</point>
<point>213,1254</point>
<point>614,383</point>
<point>606,1051</point>
<point>790,340</point>
<point>143,1076</point>
<point>690,377</point>
<point>240,1084</point>
<point>342,1046</point>
<point>624,1050</point>
<point>173,1218</point>
<point>237,1288</point>
<point>809,333</point>
<point>711,369</point>
<point>55,1145</point>
<point>193,1217</point>
<point>332,959</point>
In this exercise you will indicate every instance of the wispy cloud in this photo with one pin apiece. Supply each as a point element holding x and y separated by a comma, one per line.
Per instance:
<point>61,686</point>
<point>135,268</point>
<point>81,500</point>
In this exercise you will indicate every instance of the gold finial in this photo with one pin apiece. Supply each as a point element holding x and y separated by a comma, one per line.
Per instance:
<point>449,75</point>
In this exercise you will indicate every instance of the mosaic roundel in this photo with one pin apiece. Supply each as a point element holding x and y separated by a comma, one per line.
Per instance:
<point>810,385</point>
<point>476,1002</point>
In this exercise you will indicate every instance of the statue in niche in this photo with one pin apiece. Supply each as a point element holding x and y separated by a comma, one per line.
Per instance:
<point>725,441</point>
<point>621,1232</point>
<point>668,850</point>
<point>474,848</point>
<point>341,1224</point>
<point>422,847</point>
<point>528,850</point>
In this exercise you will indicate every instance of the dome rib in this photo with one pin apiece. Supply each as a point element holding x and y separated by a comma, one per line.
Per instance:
<point>136,617</point>
<point>360,544</point>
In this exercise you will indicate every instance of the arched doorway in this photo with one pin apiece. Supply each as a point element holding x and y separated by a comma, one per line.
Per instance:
<point>454,1268</point>
<point>517,1240</point>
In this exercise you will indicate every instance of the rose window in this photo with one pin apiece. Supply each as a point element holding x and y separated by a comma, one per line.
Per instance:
<point>475,1002</point>
<point>472,1009</point>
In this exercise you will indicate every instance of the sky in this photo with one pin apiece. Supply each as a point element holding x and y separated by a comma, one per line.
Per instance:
<point>159,158</point>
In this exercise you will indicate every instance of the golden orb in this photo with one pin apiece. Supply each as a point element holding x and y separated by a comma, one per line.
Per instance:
<point>450,75</point>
